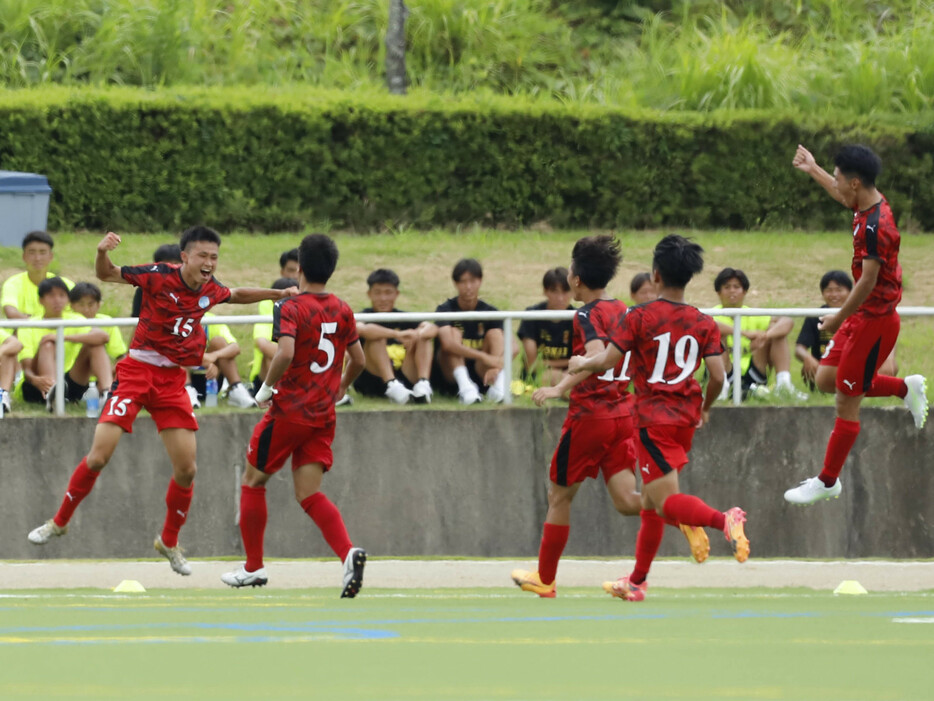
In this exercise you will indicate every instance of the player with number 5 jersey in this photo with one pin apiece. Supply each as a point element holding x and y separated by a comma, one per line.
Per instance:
<point>598,430</point>
<point>668,339</point>
<point>305,379</point>
<point>168,338</point>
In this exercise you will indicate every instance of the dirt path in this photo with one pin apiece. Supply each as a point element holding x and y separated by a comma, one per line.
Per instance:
<point>874,575</point>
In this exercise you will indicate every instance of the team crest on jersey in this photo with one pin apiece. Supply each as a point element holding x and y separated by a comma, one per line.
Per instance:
<point>204,303</point>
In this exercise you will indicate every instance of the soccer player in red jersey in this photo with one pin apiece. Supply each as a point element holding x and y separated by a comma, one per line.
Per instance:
<point>168,339</point>
<point>668,339</point>
<point>598,430</point>
<point>313,329</point>
<point>866,327</point>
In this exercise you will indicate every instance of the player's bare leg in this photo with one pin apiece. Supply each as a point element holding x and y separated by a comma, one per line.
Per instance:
<point>417,364</point>
<point>454,369</point>
<point>106,438</point>
<point>307,482</point>
<point>554,538</point>
<point>181,445</point>
<point>378,363</point>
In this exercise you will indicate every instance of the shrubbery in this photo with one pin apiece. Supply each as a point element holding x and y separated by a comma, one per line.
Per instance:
<point>277,160</point>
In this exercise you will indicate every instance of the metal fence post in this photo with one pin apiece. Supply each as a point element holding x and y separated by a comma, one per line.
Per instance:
<point>60,371</point>
<point>737,361</point>
<point>507,358</point>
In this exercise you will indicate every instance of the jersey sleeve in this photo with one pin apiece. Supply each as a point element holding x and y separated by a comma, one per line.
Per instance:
<point>623,333</point>
<point>140,275</point>
<point>527,327</point>
<point>283,320</point>
<point>9,294</point>
<point>220,293</point>
<point>445,306</point>
<point>350,324</point>
<point>712,343</point>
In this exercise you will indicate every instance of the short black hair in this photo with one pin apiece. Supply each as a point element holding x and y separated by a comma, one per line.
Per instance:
<point>287,256</point>
<point>382,276</point>
<point>284,283</point>
<point>38,237</point>
<point>677,259</point>
<point>52,283</point>
<point>168,253</point>
<point>595,260</point>
<point>317,256</point>
<point>638,280</point>
<point>727,274</point>
<point>199,233</point>
<point>85,289</point>
<point>858,161</point>
<point>556,277</point>
<point>467,265</point>
<point>838,276</point>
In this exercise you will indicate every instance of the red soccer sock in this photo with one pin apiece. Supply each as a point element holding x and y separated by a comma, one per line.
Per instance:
<point>79,486</point>
<point>649,539</point>
<point>692,511</point>
<point>253,524</point>
<point>177,501</point>
<point>887,386</point>
<point>841,442</point>
<point>554,538</point>
<point>326,517</point>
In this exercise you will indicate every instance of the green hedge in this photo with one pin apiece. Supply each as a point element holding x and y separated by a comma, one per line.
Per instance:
<point>270,160</point>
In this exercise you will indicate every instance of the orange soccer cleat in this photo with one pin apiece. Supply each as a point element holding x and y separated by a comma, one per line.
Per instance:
<point>530,581</point>
<point>735,535</point>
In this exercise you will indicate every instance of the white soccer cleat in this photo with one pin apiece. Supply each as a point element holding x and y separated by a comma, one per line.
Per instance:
<point>397,392</point>
<point>44,533</point>
<point>916,400</point>
<point>422,391</point>
<point>471,395</point>
<point>239,396</point>
<point>812,490</point>
<point>346,400</point>
<point>353,572</point>
<point>495,394</point>
<point>193,397</point>
<point>174,556</point>
<point>241,578</point>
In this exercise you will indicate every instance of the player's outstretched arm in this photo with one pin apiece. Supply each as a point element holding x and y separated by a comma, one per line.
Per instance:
<point>569,381</point>
<point>104,268</point>
<point>250,295</point>
<point>805,162</point>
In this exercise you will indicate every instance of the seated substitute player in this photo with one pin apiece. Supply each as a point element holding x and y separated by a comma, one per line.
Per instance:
<point>288,265</point>
<point>398,353</point>
<point>85,351</point>
<point>835,287</point>
<point>642,288</point>
<point>222,352</point>
<point>471,352</point>
<point>168,338</point>
<point>598,430</point>
<point>668,340</point>
<point>86,300</point>
<point>865,329</point>
<point>764,339</point>
<point>313,330</point>
<point>19,296</point>
<point>10,346</point>
<point>264,348</point>
<point>546,342</point>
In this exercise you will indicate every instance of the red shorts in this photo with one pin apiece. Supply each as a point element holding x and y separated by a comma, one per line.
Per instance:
<point>589,446</point>
<point>274,440</point>
<point>858,349</point>
<point>161,391</point>
<point>662,449</point>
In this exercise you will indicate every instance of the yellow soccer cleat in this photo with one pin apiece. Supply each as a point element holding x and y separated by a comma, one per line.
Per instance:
<point>698,540</point>
<point>530,581</point>
<point>735,535</point>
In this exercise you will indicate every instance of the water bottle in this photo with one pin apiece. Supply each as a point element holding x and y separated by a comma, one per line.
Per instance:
<point>92,402</point>
<point>210,393</point>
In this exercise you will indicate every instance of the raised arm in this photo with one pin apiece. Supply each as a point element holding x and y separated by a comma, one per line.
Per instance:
<point>805,162</point>
<point>250,295</point>
<point>104,268</point>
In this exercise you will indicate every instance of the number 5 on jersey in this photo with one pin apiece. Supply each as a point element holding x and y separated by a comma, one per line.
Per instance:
<point>325,346</point>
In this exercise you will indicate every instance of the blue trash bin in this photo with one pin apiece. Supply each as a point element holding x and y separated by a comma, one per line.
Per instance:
<point>24,205</point>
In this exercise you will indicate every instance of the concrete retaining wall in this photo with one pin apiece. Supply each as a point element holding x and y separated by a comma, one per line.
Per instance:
<point>474,483</point>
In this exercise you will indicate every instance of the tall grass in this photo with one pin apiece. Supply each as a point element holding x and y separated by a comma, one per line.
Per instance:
<point>861,56</point>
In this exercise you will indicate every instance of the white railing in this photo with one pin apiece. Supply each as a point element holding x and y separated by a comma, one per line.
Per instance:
<point>507,317</point>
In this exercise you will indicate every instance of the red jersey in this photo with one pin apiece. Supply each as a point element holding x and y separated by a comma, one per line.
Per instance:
<point>170,313</point>
<point>322,326</point>
<point>667,341</point>
<point>875,236</point>
<point>600,396</point>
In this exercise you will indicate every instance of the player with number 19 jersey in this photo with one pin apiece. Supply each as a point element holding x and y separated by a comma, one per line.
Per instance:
<point>667,341</point>
<point>323,326</point>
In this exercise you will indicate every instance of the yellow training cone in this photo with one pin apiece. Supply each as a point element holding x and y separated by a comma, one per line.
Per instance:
<point>850,586</point>
<point>129,586</point>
